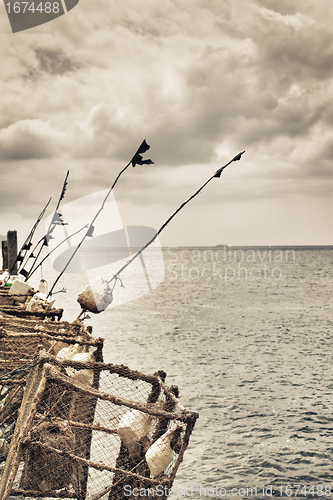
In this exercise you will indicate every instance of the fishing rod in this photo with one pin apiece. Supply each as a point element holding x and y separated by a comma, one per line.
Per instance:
<point>217,174</point>
<point>27,244</point>
<point>55,248</point>
<point>56,220</point>
<point>135,160</point>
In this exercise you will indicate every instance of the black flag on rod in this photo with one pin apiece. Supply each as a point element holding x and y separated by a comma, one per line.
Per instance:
<point>90,231</point>
<point>216,174</point>
<point>143,147</point>
<point>137,158</point>
<point>220,170</point>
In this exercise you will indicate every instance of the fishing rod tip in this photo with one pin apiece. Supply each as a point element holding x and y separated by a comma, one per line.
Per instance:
<point>238,157</point>
<point>220,170</point>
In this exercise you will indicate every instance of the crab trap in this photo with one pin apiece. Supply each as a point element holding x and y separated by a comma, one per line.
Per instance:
<point>20,339</point>
<point>86,429</point>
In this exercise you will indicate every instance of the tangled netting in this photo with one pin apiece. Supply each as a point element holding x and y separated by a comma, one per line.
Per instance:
<point>74,427</point>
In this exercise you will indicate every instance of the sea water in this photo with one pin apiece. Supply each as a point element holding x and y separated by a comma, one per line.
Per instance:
<point>246,334</point>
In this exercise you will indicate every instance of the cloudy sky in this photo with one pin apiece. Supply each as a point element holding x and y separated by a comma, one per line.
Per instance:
<point>200,80</point>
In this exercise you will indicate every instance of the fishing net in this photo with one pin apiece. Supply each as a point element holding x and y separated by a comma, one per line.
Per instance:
<point>106,436</point>
<point>74,427</point>
<point>20,341</point>
<point>21,338</point>
<point>22,312</point>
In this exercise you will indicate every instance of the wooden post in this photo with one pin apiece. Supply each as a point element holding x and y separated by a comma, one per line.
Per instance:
<point>12,251</point>
<point>33,392</point>
<point>4,255</point>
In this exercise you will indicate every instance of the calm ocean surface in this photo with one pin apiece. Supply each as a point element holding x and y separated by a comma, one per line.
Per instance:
<point>248,340</point>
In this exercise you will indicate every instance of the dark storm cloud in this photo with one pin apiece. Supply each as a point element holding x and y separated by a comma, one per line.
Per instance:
<point>54,61</point>
<point>248,90</point>
<point>201,80</point>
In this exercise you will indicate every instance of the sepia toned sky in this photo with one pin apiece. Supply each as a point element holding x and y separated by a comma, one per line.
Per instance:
<point>200,80</point>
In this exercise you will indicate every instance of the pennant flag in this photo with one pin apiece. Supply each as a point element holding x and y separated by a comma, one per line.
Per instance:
<point>63,190</point>
<point>115,277</point>
<point>27,246</point>
<point>238,157</point>
<point>143,147</point>
<point>57,219</point>
<point>137,160</point>
<point>19,258</point>
<point>50,231</point>
<point>220,170</point>
<point>218,173</point>
<point>90,231</point>
<point>24,273</point>
<point>32,256</point>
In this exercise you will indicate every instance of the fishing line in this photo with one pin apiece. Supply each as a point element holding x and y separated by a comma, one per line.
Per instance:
<point>135,160</point>
<point>216,174</point>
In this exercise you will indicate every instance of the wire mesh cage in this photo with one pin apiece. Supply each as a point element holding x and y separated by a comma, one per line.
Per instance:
<point>21,300</point>
<point>21,311</point>
<point>10,299</point>
<point>21,338</point>
<point>95,430</point>
<point>20,341</point>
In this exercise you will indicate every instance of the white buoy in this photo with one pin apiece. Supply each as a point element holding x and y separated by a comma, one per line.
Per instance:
<point>66,353</point>
<point>75,353</point>
<point>160,454</point>
<point>83,376</point>
<point>4,277</point>
<point>20,288</point>
<point>43,287</point>
<point>83,357</point>
<point>40,302</point>
<point>133,426</point>
<point>96,297</point>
